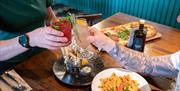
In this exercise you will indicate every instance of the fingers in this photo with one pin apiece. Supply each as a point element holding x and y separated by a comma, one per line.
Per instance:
<point>51,31</point>
<point>56,38</point>
<point>49,47</point>
<point>53,45</point>
<point>94,36</point>
<point>91,39</point>
<point>178,19</point>
<point>55,42</point>
<point>93,31</point>
<point>47,37</point>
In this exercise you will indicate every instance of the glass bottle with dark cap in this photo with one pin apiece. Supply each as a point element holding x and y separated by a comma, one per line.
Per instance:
<point>139,37</point>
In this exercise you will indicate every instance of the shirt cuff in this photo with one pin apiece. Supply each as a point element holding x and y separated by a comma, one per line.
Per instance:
<point>175,59</point>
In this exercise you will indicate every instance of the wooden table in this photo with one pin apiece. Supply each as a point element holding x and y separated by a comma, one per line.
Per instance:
<point>37,70</point>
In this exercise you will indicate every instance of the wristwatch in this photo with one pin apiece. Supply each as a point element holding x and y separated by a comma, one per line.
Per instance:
<point>24,41</point>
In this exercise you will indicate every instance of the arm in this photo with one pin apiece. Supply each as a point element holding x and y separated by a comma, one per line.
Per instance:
<point>10,48</point>
<point>145,64</point>
<point>50,15</point>
<point>133,60</point>
<point>44,37</point>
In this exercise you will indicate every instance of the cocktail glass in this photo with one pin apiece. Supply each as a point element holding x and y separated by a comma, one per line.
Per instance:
<point>64,25</point>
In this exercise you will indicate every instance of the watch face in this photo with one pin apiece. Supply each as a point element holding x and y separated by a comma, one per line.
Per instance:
<point>23,40</point>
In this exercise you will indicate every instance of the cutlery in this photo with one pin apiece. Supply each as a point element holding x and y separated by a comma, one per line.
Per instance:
<point>14,88</point>
<point>19,86</point>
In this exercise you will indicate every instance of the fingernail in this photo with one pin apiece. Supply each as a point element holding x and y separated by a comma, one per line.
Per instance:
<point>61,34</point>
<point>65,39</point>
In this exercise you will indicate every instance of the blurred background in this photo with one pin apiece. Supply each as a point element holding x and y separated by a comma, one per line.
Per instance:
<point>160,11</point>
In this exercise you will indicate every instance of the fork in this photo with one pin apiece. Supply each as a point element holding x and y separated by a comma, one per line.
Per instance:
<point>14,88</point>
<point>19,86</point>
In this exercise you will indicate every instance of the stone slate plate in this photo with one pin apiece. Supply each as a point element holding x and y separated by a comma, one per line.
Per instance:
<point>62,75</point>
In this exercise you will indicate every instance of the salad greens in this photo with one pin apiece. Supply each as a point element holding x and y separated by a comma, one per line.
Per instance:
<point>124,34</point>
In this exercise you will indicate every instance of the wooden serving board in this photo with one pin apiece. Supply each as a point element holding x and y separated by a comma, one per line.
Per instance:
<point>5,87</point>
<point>158,35</point>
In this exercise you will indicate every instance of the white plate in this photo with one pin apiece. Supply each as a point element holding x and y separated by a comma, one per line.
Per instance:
<point>143,85</point>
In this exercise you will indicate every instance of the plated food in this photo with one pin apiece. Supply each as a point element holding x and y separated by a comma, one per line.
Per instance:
<point>118,83</point>
<point>121,33</point>
<point>117,79</point>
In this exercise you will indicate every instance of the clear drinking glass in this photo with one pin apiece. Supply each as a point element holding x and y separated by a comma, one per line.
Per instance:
<point>82,21</point>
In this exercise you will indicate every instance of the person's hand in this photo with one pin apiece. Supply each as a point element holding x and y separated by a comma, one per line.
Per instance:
<point>47,37</point>
<point>178,19</point>
<point>100,40</point>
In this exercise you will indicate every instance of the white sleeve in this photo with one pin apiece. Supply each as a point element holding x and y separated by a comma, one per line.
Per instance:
<point>175,59</point>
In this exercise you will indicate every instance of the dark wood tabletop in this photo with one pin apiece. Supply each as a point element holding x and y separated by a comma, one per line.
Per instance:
<point>37,70</point>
